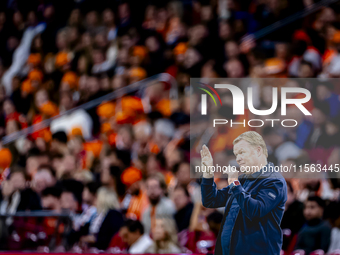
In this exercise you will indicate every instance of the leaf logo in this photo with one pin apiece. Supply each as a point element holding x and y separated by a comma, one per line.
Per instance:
<point>204,97</point>
<point>209,93</point>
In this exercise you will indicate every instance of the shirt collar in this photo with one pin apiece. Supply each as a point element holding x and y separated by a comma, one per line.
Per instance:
<point>256,174</point>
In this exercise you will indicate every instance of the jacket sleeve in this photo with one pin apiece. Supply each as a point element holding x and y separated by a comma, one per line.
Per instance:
<point>270,195</point>
<point>211,196</point>
<point>110,226</point>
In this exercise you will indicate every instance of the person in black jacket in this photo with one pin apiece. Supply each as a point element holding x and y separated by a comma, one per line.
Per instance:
<point>107,222</point>
<point>15,196</point>
<point>254,201</point>
<point>184,207</point>
<point>316,233</point>
<point>293,218</point>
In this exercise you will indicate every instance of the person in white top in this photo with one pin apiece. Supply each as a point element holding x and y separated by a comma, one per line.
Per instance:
<point>76,119</point>
<point>132,233</point>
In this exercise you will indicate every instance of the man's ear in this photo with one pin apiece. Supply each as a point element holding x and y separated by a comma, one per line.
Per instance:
<point>259,151</point>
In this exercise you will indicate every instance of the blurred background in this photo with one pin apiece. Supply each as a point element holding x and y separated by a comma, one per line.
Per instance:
<point>95,119</point>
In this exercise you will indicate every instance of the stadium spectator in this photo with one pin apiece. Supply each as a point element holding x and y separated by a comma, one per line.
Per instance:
<point>199,230</point>
<point>160,205</point>
<point>16,196</point>
<point>136,199</point>
<point>82,223</point>
<point>182,176</point>
<point>305,137</point>
<point>164,237</point>
<point>107,221</point>
<point>292,220</point>
<point>68,201</point>
<point>324,93</point>
<point>332,216</point>
<point>110,177</point>
<point>50,199</point>
<point>53,227</point>
<point>184,207</point>
<point>56,56</point>
<point>44,178</point>
<point>132,233</point>
<point>35,158</point>
<point>315,234</point>
<point>279,149</point>
<point>59,143</point>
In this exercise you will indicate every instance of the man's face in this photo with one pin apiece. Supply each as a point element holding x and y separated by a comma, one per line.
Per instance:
<point>183,174</point>
<point>319,117</point>
<point>57,164</point>
<point>322,92</point>
<point>18,181</point>
<point>69,163</point>
<point>32,164</point>
<point>305,71</point>
<point>42,180</point>
<point>66,101</point>
<point>105,176</point>
<point>231,49</point>
<point>234,69</point>
<point>93,85</point>
<point>128,237</point>
<point>224,30</point>
<point>154,190</point>
<point>312,210</point>
<point>88,197</point>
<point>49,202</point>
<point>68,202</point>
<point>108,17</point>
<point>54,146</point>
<point>245,154</point>
<point>180,199</point>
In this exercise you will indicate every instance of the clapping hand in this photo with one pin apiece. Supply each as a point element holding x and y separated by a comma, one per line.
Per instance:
<point>207,161</point>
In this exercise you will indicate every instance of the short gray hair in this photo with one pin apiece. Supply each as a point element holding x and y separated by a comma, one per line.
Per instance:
<point>254,139</point>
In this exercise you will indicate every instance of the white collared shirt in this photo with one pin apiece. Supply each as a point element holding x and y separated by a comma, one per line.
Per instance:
<point>141,245</point>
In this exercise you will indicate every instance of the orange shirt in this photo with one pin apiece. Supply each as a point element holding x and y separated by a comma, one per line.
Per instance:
<point>137,206</point>
<point>94,146</point>
<point>50,225</point>
<point>44,133</point>
<point>153,148</point>
<point>164,107</point>
<point>328,56</point>
<point>153,218</point>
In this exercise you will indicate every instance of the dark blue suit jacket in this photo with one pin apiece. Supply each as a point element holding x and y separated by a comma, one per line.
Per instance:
<point>257,226</point>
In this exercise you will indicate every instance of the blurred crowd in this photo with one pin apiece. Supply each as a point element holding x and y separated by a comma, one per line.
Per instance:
<point>121,170</point>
